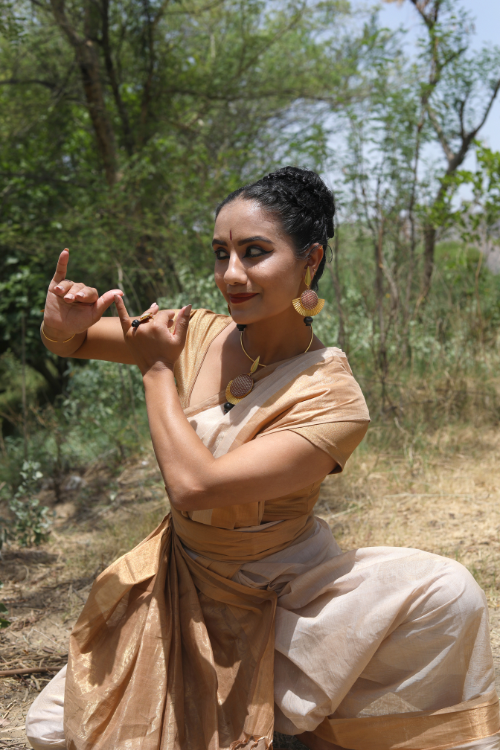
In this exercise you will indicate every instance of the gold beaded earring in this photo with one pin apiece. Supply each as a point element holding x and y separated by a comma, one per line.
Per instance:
<point>308,304</point>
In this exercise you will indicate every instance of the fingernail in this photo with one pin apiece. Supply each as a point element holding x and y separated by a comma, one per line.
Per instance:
<point>69,296</point>
<point>80,294</point>
<point>59,288</point>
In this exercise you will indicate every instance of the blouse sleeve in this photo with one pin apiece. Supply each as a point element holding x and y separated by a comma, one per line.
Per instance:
<point>338,439</point>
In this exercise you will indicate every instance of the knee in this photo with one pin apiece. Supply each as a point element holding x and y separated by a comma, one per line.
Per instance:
<point>459,587</point>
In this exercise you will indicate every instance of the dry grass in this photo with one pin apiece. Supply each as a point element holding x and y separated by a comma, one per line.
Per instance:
<point>442,497</point>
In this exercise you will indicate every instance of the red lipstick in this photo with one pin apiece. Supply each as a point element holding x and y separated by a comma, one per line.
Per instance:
<point>236,299</point>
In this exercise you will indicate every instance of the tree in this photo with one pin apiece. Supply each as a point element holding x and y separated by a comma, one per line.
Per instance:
<point>123,123</point>
<point>457,91</point>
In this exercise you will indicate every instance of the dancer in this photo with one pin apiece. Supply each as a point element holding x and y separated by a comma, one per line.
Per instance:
<point>239,614</point>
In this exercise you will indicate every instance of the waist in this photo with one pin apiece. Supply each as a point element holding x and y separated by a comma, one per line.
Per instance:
<point>237,544</point>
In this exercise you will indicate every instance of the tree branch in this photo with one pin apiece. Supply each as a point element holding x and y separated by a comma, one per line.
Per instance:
<point>27,82</point>
<point>440,134</point>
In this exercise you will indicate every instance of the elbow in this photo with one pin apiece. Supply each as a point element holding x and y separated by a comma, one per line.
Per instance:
<point>190,496</point>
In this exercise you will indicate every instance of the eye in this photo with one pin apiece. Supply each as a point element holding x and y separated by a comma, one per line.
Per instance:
<point>255,251</point>
<point>221,254</point>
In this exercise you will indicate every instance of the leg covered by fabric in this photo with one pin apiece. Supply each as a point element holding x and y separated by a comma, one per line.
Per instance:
<point>44,722</point>
<point>389,631</point>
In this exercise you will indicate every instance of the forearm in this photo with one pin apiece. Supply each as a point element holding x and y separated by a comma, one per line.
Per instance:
<point>103,341</point>
<point>185,463</point>
<point>260,469</point>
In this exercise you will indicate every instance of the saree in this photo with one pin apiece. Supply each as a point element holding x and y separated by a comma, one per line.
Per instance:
<point>175,647</point>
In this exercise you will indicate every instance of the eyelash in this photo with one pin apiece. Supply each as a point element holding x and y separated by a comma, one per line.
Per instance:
<point>250,247</point>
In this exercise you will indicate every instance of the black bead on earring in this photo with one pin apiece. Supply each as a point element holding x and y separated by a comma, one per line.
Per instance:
<point>240,326</point>
<point>308,321</point>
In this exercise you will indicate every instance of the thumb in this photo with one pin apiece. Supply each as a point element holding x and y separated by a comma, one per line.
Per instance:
<point>105,301</point>
<point>182,323</point>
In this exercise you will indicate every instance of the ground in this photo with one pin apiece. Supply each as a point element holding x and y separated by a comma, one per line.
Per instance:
<point>444,499</point>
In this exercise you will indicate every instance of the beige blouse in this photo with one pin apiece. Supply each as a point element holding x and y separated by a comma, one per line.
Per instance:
<point>337,438</point>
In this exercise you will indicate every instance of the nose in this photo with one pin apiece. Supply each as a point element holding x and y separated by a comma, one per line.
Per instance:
<point>235,272</point>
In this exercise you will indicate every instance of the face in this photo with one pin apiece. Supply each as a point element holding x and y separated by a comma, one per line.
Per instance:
<point>256,268</point>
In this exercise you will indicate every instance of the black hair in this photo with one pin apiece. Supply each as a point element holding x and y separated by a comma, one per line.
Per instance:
<point>301,201</point>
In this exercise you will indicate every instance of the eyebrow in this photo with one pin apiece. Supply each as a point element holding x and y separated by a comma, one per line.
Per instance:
<point>254,239</point>
<point>215,241</point>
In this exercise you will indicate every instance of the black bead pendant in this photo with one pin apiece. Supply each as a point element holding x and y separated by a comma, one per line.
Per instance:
<point>227,407</point>
<point>308,321</point>
<point>240,326</point>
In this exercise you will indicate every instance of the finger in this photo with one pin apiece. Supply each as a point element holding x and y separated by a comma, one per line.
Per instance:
<point>62,287</point>
<point>70,295</point>
<point>105,301</point>
<point>182,322</point>
<point>62,265</point>
<point>87,294</point>
<point>122,313</point>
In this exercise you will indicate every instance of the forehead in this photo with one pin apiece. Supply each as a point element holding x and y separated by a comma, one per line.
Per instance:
<point>245,218</point>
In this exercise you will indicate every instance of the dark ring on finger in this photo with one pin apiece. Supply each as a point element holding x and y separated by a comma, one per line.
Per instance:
<point>136,323</point>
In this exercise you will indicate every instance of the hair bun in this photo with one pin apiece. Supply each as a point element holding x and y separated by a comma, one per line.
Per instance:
<point>312,192</point>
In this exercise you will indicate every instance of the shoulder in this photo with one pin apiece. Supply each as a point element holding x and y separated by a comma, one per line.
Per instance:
<point>319,387</point>
<point>203,322</point>
<point>204,326</point>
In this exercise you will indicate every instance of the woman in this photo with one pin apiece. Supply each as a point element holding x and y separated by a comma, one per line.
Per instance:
<point>240,614</point>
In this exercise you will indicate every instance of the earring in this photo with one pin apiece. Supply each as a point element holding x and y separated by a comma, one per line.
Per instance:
<point>308,304</point>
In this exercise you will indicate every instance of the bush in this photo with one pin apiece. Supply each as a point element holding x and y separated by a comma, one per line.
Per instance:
<point>30,525</point>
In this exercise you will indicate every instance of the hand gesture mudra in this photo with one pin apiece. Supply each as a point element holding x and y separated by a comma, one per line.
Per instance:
<point>71,307</point>
<point>157,341</point>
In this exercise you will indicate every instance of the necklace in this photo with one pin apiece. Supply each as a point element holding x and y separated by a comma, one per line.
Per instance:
<point>242,385</point>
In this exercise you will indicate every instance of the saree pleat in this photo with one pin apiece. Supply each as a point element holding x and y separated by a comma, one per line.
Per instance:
<point>196,656</point>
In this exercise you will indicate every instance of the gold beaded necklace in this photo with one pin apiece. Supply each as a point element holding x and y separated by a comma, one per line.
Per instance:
<point>242,385</point>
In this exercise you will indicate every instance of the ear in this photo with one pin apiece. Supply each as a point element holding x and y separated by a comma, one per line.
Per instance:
<point>314,257</point>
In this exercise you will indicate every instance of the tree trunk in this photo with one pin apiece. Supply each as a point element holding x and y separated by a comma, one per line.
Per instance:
<point>87,55</point>
<point>429,249</point>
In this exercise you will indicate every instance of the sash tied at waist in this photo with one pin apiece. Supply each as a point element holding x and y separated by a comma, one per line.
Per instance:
<point>227,545</point>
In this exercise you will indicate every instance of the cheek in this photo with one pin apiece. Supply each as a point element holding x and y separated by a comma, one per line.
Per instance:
<point>277,277</point>
<point>219,279</point>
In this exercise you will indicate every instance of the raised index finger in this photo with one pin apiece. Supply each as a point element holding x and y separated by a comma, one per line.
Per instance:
<point>62,266</point>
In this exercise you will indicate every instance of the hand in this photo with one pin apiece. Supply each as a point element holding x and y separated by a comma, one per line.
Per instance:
<point>159,341</point>
<point>71,308</point>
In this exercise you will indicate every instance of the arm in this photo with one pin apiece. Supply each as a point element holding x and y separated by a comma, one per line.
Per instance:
<point>262,469</point>
<point>73,325</point>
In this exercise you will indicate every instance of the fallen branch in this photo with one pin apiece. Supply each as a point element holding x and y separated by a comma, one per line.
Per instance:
<point>31,670</point>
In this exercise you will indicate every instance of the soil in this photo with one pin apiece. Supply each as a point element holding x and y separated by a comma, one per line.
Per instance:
<point>445,500</point>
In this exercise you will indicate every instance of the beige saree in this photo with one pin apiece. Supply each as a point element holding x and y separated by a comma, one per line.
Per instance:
<point>223,624</point>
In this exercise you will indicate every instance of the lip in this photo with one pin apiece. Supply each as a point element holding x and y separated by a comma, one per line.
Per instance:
<point>236,299</point>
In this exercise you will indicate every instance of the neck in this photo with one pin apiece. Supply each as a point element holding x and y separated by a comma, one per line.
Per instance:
<point>281,337</point>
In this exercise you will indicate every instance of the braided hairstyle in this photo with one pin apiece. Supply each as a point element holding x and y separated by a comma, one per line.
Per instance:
<point>302,203</point>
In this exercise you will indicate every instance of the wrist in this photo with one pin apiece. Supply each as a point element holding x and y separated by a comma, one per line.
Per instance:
<point>158,369</point>
<point>54,335</point>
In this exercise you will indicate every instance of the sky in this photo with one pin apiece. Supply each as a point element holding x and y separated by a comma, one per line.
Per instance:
<point>487,22</point>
